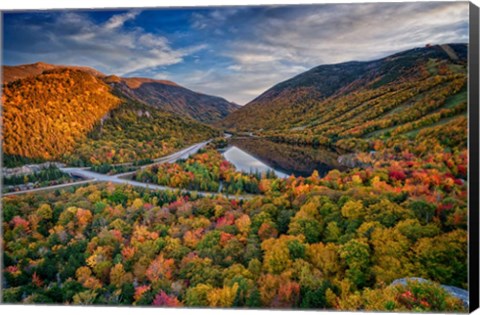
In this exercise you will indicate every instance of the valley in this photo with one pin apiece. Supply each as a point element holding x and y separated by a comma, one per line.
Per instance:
<point>320,193</point>
<point>382,99</point>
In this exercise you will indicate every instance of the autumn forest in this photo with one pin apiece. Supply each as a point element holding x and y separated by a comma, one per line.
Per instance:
<point>363,205</point>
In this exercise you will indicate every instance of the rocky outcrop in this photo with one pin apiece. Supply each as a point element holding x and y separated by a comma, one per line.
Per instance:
<point>28,169</point>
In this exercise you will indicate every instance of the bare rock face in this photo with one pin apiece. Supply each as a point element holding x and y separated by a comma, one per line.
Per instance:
<point>453,291</point>
<point>351,160</point>
<point>29,169</point>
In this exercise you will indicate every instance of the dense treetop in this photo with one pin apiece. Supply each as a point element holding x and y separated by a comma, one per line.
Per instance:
<point>334,240</point>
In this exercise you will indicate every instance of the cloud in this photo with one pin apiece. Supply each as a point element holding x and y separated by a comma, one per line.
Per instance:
<point>233,52</point>
<point>236,83</point>
<point>75,38</point>
<point>214,18</point>
<point>336,33</point>
<point>271,44</point>
<point>117,21</point>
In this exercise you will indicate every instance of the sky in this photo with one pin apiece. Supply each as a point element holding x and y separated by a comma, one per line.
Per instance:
<point>233,52</point>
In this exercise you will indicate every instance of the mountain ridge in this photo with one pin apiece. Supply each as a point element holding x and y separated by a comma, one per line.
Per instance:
<point>301,100</point>
<point>72,115</point>
<point>345,105</point>
<point>163,94</point>
<point>169,96</point>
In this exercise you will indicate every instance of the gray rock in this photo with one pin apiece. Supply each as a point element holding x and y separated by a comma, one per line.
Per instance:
<point>351,160</point>
<point>28,169</point>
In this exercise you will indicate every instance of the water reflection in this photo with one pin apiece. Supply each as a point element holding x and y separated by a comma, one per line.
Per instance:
<point>283,158</point>
<point>247,163</point>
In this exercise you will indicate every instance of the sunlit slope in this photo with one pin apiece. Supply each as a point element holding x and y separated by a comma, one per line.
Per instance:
<point>45,115</point>
<point>73,115</point>
<point>13,73</point>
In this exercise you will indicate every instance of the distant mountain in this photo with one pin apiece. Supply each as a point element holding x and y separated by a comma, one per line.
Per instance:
<point>71,114</point>
<point>360,99</point>
<point>171,97</point>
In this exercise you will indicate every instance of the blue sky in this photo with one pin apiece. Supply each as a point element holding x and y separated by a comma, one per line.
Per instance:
<point>233,52</point>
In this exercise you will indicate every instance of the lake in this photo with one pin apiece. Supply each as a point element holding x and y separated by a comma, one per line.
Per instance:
<point>257,154</point>
<point>248,163</point>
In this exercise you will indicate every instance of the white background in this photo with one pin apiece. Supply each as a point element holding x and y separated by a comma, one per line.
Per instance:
<point>76,310</point>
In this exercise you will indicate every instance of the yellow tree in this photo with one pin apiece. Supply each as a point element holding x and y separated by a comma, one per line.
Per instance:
<point>223,297</point>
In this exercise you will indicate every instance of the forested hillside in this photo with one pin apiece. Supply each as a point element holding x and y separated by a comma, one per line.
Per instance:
<point>171,97</point>
<point>70,114</point>
<point>13,73</point>
<point>44,116</point>
<point>133,132</point>
<point>346,105</point>
<point>335,242</point>
<point>393,205</point>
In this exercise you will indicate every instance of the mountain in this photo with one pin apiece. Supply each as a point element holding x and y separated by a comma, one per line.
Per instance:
<point>46,114</point>
<point>331,103</point>
<point>12,73</point>
<point>171,97</point>
<point>162,94</point>
<point>71,114</point>
<point>134,132</point>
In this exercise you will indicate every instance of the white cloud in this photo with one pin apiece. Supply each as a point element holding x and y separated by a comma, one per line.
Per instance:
<point>250,49</point>
<point>253,58</point>
<point>351,32</point>
<point>240,84</point>
<point>277,43</point>
<point>118,20</point>
<point>73,38</point>
<point>234,67</point>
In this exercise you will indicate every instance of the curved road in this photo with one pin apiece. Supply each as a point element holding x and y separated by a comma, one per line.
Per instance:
<point>49,187</point>
<point>117,179</point>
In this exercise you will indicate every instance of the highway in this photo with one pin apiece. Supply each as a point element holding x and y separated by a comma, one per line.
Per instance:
<point>49,187</point>
<point>90,176</point>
